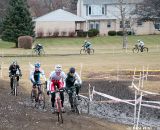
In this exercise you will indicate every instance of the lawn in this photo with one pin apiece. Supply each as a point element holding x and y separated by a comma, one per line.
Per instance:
<point>109,55</point>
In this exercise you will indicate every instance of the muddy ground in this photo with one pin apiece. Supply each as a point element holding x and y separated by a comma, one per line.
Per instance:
<point>17,113</point>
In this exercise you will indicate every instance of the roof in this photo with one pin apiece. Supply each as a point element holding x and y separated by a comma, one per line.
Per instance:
<point>59,15</point>
<point>98,2</point>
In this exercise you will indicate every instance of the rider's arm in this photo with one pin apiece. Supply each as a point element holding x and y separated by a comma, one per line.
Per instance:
<point>31,77</point>
<point>78,79</point>
<point>49,81</point>
<point>43,75</point>
<point>64,78</point>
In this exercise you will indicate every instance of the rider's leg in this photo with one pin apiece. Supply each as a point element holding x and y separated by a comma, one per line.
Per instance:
<point>53,99</point>
<point>70,99</point>
<point>62,97</point>
<point>17,80</point>
<point>11,83</point>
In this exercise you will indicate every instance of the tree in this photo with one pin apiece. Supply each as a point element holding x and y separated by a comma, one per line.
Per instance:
<point>149,10</point>
<point>124,12</point>
<point>17,22</point>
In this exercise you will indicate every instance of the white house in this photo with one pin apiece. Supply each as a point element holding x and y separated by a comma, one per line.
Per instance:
<point>105,15</point>
<point>59,21</point>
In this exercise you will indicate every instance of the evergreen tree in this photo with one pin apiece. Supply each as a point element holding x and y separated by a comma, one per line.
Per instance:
<point>18,21</point>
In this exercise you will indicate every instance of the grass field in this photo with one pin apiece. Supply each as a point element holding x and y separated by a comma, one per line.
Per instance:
<point>108,56</point>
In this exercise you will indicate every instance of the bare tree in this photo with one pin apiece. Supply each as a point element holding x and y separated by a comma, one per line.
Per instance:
<point>149,10</point>
<point>124,12</point>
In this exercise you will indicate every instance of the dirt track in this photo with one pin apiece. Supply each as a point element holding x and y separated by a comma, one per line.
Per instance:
<point>17,114</point>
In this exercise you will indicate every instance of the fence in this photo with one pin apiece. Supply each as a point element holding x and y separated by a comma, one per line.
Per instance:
<point>138,102</point>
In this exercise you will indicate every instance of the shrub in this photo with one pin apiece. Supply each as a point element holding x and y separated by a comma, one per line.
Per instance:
<point>55,33</point>
<point>81,33</point>
<point>111,33</point>
<point>71,34</point>
<point>40,34</point>
<point>131,33</point>
<point>63,33</point>
<point>25,42</point>
<point>120,33</point>
<point>49,34</point>
<point>93,32</point>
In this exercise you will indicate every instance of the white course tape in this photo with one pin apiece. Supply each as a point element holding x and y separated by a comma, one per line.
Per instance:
<point>146,92</point>
<point>111,97</point>
<point>151,106</point>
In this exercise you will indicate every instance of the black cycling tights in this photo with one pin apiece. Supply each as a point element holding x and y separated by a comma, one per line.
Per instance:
<point>53,98</point>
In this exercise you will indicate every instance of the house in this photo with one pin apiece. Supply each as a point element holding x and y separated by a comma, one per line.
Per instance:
<point>58,23</point>
<point>105,16</point>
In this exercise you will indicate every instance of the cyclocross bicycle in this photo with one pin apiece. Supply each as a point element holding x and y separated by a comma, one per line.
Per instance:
<point>58,104</point>
<point>38,96</point>
<point>75,100</point>
<point>87,51</point>
<point>15,84</point>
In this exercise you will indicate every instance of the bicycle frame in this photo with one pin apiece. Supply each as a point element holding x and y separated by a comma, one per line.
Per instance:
<point>14,84</point>
<point>39,96</point>
<point>75,100</point>
<point>58,104</point>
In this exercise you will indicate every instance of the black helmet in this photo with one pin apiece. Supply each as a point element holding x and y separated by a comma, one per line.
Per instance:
<point>72,70</point>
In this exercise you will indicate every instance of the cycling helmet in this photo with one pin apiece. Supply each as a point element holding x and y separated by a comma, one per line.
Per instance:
<point>72,70</point>
<point>37,65</point>
<point>138,40</point>
<point>58,68</point>
<point>14,62</point>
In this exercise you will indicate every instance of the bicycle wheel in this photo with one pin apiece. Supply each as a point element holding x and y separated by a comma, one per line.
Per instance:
<point>42,52</point>
<point>15,87</point>
<point>41,100</point>
<point>135,50</point>
<point>145,49</point>
<point>59,111</point>
<point>82,51</point>
<point>75,103</point>
<point>92,51</point>
<point>34,52</point>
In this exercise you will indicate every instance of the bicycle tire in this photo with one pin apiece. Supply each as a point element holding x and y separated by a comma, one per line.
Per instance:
<point>145,49</point>
<point>75,103</point>
<point>41,100</point>
<point>42,52</point>
<point>92,51</point>
<point>15,86</point>
<point>82,51</point>
<point>59,111</point>
<point>135,50</point>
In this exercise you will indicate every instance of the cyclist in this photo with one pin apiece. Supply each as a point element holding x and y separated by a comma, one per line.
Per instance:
<point>35,76</point>
<point>141,45</point>
<point>38,47</point>
<point>14,69</point>
<point>57,78</point>
<point>73,80</point>
<point>87,45</point>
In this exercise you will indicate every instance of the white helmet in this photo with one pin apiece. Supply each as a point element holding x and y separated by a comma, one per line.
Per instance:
<point>138,40</point>
<point>58,68</point>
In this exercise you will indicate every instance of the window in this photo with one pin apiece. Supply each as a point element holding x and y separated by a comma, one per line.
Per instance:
<point>127,24</point>
<point>103,10</point>
<point>89,10</point>
<point>97,25</point>
<point>109,24</point>
<point>96,10</point>
<point>157,25</point>
<point>139,23</point>
<point>91,25</point>
<point>94,25</point>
